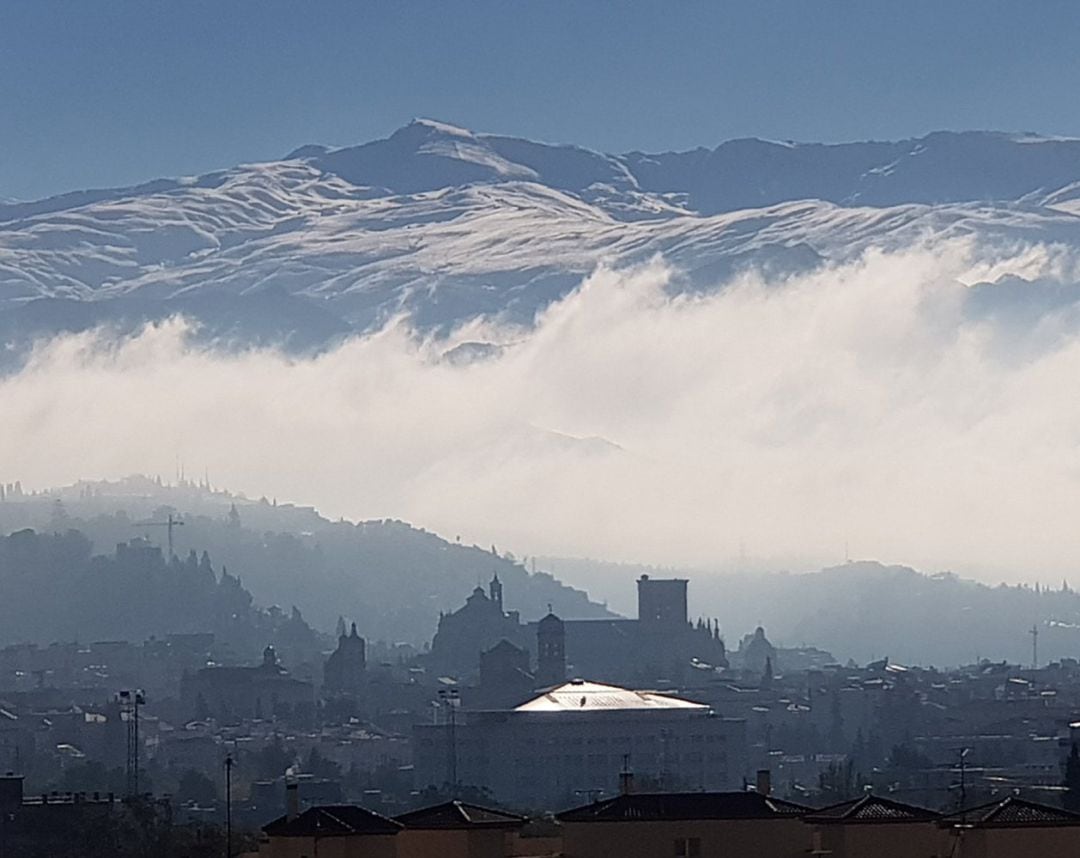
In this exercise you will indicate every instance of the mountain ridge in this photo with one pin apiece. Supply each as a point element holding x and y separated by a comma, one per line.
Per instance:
<point>443,225</point>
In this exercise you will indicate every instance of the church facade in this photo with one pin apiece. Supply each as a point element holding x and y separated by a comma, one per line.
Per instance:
<point>237,693</point>
<point>661,645</point>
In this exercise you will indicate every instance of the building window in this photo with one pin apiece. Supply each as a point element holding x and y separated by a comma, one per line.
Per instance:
<point>688,847</point>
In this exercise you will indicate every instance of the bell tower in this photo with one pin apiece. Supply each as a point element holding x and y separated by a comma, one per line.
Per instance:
<point>495,591</point>
<point>550,650</point>
<point>662,604</point>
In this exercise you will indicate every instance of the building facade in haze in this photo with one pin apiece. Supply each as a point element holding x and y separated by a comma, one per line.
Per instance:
<point>575,740</point>
<point>660,645</point>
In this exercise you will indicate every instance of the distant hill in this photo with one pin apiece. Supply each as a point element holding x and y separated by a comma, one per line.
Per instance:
<point>389,577</point>
<point>866,610</point>
<point>56,589</point>
<point>393,579</point>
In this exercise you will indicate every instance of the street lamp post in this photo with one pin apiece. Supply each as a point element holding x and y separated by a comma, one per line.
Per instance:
<point>228,805</point>
<point>963,783</point>
<point>450,698</point>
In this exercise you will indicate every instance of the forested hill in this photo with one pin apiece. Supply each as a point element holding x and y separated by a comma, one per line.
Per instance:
<point>57,590</point>
<point>389,577</point>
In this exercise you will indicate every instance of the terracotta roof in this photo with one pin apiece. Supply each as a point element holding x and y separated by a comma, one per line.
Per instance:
<point>684,806</point>
<point>336,820</point>
<point>1014,811</point>
<point>873,808</point>
<point>580,696</point>
<point>458,814</point>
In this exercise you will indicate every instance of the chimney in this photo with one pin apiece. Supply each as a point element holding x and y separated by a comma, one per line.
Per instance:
<point>764,781</point>
<point>626,782</point>
<point>11,791</point>
<point>292,800</point>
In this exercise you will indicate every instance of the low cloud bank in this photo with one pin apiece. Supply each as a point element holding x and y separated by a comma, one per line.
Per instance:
<point>859,406</point>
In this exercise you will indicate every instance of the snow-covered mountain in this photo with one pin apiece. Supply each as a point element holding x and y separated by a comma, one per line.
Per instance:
<point>445,224</point>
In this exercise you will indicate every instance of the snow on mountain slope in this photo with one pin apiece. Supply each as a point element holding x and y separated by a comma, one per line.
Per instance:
<point>445,225</point>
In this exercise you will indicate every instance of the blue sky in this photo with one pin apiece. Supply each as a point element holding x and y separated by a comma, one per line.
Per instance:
<point>112,92</point>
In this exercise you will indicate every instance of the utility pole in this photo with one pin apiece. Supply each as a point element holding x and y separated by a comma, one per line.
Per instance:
<point>1034,647</point>
<point>228,805</point>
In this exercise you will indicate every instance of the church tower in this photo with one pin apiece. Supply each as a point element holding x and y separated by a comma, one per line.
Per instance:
<point>662,605</point>
<point>344,669</point>
<point>495,590</point>
<point>551,651</point>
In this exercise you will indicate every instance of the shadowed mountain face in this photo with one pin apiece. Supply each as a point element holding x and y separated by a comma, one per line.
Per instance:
<point>443,225</point>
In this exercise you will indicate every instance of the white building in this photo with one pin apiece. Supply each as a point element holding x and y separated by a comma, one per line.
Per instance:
<point>572,742</point>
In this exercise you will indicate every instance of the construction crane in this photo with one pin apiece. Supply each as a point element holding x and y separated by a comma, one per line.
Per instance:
<point>171,522</point>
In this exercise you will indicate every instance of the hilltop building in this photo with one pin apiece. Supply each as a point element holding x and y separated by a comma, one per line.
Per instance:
<point>661,644</point>
<point>475,627</point>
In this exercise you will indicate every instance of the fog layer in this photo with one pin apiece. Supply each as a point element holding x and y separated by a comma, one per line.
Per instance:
<point>862,409</point>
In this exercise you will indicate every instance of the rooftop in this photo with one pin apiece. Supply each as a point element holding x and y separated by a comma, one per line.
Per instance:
<point>458,814</point>
<point>332,820</point>
<point>1014,811</point>
<point>578,696</point>
<point>684,806</point>
<point>872,808</point>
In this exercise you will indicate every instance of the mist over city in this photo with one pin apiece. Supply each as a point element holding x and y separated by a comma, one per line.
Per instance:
<point>452,430</point>
<point>873,408</point>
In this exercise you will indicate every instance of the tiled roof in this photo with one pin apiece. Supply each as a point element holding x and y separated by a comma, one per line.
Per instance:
<point>580,696</point>
<point>335,820</point>
<point>872,808</point>
<point>1014,811</point>
<point>685,805</point>
<point>458,814</point>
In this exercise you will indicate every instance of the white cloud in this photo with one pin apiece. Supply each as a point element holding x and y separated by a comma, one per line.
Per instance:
<point>855,405</point>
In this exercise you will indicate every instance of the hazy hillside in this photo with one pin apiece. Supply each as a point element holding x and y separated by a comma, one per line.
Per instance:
<point>866,610</point>
<point>56,589</point>
<point>392,579</point>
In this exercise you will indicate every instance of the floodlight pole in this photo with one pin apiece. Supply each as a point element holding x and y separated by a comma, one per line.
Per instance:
<point>228,805</point>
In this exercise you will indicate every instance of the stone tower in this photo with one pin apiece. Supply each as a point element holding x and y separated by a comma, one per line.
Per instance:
<point>495,591</point>
<point>550,651</point>
<point>662,604</point>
